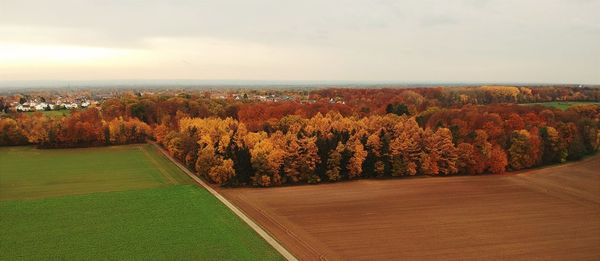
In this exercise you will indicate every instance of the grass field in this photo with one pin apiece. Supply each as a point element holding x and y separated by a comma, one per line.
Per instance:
<point>125,202</point>
<point>562,105</point>
<point>550,213</point>
<point>31,173</point>
<point>58,113</point>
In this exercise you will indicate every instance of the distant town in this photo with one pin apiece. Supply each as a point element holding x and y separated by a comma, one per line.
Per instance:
<point>58,104</point>
<point>56,100</point>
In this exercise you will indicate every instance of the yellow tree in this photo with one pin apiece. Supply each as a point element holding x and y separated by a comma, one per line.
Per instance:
<point>240,133</point>
<point>405,148</point>
<point>520,150</point>
<point>554,151</point>
<point>222,172</point>
<point>292,158</point>
<point>35,128</point>
<point>10,133</point>
<point>160,132</point>
<point>412,148</point>
<point>374,147</point>
<point>207,158</point>
<point>430,154</point>
<point>174,144</point>
<point>374,144</point>
<point>483,151</point>
<point>117,131</point>
<point>308,159</point>
<point>397,148</point>
<point>267,160</point>
<point>358,157</point>
<point>446,151</point>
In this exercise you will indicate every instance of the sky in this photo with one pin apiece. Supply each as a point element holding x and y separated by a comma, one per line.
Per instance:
<point>526,41</point>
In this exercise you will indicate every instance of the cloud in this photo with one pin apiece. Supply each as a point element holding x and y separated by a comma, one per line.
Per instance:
<point>416,40</point>
<point>439,20</point>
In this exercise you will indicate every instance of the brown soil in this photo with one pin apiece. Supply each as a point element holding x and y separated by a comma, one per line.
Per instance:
<point>549,213</point>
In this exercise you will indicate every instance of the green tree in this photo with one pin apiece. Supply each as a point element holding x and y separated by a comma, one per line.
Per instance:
<point>333,163</point>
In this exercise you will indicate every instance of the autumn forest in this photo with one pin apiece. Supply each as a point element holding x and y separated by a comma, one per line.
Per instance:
<point>333,134</point>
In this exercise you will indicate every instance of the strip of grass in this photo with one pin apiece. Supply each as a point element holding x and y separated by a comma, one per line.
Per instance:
<point>562,105</point>
<point>181,222</point>
<point>26,172</point>
<point>59,113</point>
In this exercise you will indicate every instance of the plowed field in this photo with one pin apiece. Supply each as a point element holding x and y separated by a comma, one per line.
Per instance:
<point>549,213</point>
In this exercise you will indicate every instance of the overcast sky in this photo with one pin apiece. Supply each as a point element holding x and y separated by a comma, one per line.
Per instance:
<point>545,41</point>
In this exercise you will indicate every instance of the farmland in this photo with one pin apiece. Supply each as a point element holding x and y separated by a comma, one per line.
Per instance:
<point>31,173</point>
<point>548,213</point>
<point>126,202</point>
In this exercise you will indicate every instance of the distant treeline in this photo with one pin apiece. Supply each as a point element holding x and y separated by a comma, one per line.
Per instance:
<point>79,129</point>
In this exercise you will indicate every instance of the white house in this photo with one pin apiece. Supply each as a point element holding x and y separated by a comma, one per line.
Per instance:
<point>71,106</point>
<point>22,108</point>
<point>41,106</point>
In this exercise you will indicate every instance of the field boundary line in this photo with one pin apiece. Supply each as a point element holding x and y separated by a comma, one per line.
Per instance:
<point>162,171</point>
<point>259,230</point>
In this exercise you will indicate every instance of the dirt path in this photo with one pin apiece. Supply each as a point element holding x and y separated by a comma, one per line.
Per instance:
<point>547,213</point>
<point>266,236</point>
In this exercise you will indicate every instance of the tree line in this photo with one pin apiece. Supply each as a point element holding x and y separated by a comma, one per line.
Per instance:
<point>331,147</point>
<point>375,133</point>
<point>80,129</point>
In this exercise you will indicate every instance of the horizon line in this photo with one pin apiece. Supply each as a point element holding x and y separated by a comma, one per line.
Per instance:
<point>254,83</point>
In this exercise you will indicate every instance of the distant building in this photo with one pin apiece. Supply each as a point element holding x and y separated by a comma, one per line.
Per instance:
<point>41,106</point>
<point>71,105</point>
<point>22,108</point>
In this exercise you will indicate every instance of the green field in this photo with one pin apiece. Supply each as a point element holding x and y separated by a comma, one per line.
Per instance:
<point>32,173</point>
<point>58,113</point>
<point>125,202</point>
<point>562,105</point>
